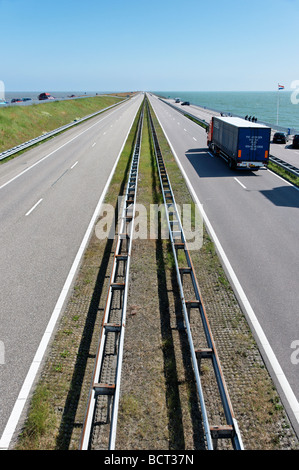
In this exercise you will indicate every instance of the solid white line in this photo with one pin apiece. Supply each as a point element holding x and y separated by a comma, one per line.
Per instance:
<point>287,390</point>
<point>73,166</point>
<point>54,151</point>
<point>32,208</point>
<point>31,375</point>
<point>240,183</point>
<point>94,144</point>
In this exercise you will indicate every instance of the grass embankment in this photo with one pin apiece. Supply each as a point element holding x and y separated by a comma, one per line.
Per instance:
<point>19,124</point>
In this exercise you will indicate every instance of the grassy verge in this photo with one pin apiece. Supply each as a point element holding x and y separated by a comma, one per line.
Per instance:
<point>200,123</point>
<point>284,173</point>
<point>19,124</point>
<point>151,407</point>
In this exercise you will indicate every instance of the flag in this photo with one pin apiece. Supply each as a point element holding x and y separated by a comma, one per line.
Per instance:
<point>280,87</point>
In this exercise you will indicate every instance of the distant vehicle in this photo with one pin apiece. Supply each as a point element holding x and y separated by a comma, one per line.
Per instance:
<point>26,99</point>
<point>241,143</point>
<point>45,96</point>
<point>16,100</point>
<point>177,100</point>
<point>3,103</point>
<point>296,141</point>
<point>280,138</point>
<point>186,103</point>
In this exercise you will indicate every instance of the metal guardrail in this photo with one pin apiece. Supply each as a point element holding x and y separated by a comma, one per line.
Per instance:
<point>274,127</point>
<point>182,111</point>
<point>36,140</point>
<point>229,430</point>
<point>286,166</point>
<point>105,389</point>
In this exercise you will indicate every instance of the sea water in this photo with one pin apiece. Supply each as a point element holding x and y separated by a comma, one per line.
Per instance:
<point>275,108</point>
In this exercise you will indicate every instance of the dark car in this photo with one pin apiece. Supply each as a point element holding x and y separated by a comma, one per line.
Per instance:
<point>45,96</point>
<point>280,138</point>
<point>185,103</point>
<point>296,141</point>
<point>16,100</point>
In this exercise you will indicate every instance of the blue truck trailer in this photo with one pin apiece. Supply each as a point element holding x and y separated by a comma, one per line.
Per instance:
<point>242,143</point>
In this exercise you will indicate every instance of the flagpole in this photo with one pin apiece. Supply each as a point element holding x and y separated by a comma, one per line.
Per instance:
<point>277,103</point>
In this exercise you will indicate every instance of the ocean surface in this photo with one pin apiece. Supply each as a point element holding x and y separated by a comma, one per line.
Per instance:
<point>266,106</point>
<point>261,104</point>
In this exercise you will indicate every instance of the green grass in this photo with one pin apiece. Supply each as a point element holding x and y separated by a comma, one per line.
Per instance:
<point>40,420</point>
<point>284,173</point>
<point>19,124</point>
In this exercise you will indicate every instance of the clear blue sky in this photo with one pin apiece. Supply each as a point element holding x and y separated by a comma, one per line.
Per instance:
<point>165,45</point>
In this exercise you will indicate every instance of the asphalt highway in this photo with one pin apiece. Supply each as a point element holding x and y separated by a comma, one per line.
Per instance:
<point>255,219</point>
<point>48,198</point>
<point>285,152</point>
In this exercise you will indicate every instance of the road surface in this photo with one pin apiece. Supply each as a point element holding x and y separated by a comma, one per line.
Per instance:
<point>48,197</point>
<point>255,217</point>
<point>285,152</point>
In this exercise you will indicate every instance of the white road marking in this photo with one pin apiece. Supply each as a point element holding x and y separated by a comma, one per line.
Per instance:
<point>194,139</point>
<point>240,183</point>
<point>37,360</point>
<point>284,180</point>
<point>287,389</point>
<point>94,144</point>
<point>54,151</point>
<point>32,208</point>
<point>73,166</point>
